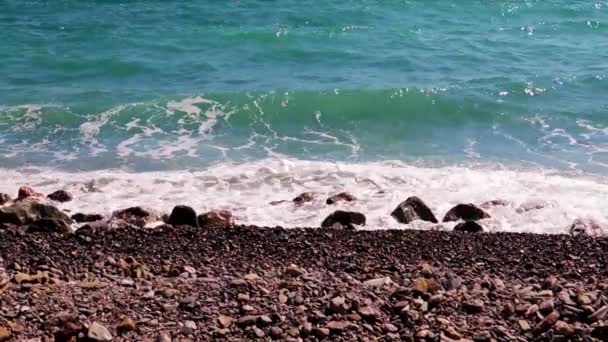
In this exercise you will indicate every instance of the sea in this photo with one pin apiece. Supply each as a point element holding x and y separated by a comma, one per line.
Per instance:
<point>234,104</point>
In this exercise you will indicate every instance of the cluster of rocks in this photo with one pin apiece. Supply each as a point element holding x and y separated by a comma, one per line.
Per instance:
<point>250,283</point>
<point>31,210</point>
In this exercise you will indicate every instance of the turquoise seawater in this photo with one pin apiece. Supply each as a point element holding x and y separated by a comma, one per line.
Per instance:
<point>171,85</point>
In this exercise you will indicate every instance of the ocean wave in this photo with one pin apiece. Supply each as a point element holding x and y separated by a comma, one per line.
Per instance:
<point>248,188</point>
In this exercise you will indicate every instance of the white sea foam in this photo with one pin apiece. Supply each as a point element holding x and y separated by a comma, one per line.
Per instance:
<point>247,189</point>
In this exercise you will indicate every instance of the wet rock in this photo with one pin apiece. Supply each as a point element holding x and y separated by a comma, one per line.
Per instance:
<point>82,218</point>
<point>465,212</point>
<point>25,213</point>
<point>341,197</point>
<point>546,323</point>
<point>4,198</point>
<point>60,196</point>
<point>590,227</point>
<point>136,216</point>
<point>49,225</point>
<point>469,227</point>
<point>305,197</point>
<point>494,203</point>
<point>346,219</point>
<point>98,332</point>
<point>216,218</point>
<point>126,325</point>
<point>412,209</point>
<point>182,215</point>
<point>28,192</point>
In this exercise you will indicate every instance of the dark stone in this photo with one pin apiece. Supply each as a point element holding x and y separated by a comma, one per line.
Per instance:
<point>24,213</point>
<point>49,225</point>
<point>600,332</point>
<point>344,218</point>
<point>341,197</point>
<point>305,197</point>
<point>60,196</point>
<point>4,198</point>
<point>183,216</point>
<point>468,226</point>
<point>412,209</point>
<point>136,216</point>
<point>81,218</point>
<point>216,218</point>
<point>466,212</point>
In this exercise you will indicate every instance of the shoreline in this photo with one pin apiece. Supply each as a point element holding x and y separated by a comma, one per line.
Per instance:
<point>247,282</point>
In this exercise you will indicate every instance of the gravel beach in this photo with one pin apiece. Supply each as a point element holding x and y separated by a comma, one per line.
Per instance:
<point>252,283</point>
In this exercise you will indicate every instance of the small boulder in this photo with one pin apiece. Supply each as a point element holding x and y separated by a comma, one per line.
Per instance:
<point>82,218</point>
<point>412,209</point>
<point>346,219</point>
<point>183,215</point>
<point>586,226</point>
<point>466,212</point>
<point>136,216</point>
<point>126,325</point>
<point>60,196</point>
<point>4,198</point>
<point>341,197</point>
<point>98,332</point>
<point>28,212</point>
<point>26,192</point>
<point>216,218</point>
<point>468,226</point>
<point>49,225</point>
<point>305,197</point>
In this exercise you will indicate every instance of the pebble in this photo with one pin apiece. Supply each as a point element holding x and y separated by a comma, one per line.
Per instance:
<point>98,332</point>
<point>546,323</point>
<point>473,306</point>
<point>224,321</point>
<point>320,332</point>
<point>563,328</point>
<point>247,320</point>
<point>294,270</point>
<point>600,314</point>
<point>546,306</point>
<point>127,324</point>
<point>276,332</point>
<point>378,282</point>
<point>5,334</point>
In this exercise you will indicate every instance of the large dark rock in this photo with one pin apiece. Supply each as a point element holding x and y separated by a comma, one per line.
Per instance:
<point>29,212</point>
<point>81,218</point>
<point>345,219</point>
<point>49,225</point>
<point>136,216</point>
<point>468,226</point>
<point>412,209</point>
<point>183,215</point>
<point>341,197</point>
<point>4,198</point>
<point>216,218</point>
<point>60,196</point>
<point>466,212</point>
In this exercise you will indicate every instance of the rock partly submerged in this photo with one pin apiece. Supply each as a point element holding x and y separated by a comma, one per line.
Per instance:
<point>340,197</point>
<point>60,196</point>
<point>344,219</point>
<point>413,208</point>
<point>216,218</point>
<point>465,212</point>
<point>39,216</point>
